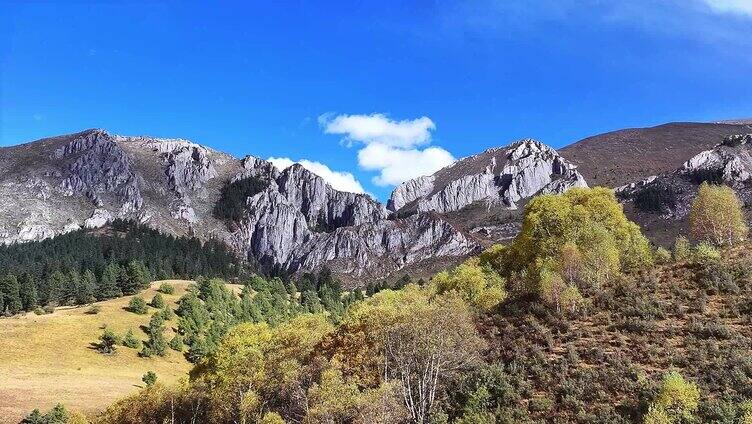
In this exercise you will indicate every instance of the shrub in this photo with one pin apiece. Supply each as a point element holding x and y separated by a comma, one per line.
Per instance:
<point>177,343</point>
<point>158,301</point>
<point>167,288</point>
<point>571,300</point>
<point>130,340</point>
<point>272,418</point>
<point>137,305</point>
<point>677,397</point>
<point>39,311</point>
<point>167,313</point>
<point>93,310</point>
<point>682,249</point>
<point>108,342</point>
<point>150,378</point>
<point>551,289</point>
<point>705,253</point>
<point>657,415</point>
<point>662,256</point>
<point>716,216</point>
<point>481,286</point>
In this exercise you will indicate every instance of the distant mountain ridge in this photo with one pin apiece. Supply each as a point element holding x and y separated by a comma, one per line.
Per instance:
<point>296,223</point>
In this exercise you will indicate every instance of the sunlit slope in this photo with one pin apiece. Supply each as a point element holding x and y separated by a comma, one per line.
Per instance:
<point>50,358</point>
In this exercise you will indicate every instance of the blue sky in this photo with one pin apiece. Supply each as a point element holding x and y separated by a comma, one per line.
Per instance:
<point>370,93</point>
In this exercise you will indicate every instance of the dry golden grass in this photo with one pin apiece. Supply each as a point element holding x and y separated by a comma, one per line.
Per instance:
<point>49,359</point>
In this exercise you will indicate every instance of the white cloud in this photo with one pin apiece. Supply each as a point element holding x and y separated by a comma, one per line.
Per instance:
<point>377,128</point>
<point>396,165</point>
<point>740,7</point>
<point>343,181</point>
<point>390,147</point>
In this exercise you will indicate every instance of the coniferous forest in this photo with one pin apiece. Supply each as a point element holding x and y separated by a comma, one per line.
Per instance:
<point>83,266</point>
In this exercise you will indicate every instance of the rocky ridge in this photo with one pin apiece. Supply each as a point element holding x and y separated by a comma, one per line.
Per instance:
<point>297,223</point>
<point>670,195</point>
<point>502,176</point>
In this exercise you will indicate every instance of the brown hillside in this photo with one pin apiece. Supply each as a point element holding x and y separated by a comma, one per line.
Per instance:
<point>620,157</point>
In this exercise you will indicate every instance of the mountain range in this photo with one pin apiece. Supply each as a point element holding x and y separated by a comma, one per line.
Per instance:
<point>292,221</point>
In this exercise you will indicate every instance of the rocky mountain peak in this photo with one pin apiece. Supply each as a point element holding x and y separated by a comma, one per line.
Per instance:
<point>499,176</point>
<point>293,221</point>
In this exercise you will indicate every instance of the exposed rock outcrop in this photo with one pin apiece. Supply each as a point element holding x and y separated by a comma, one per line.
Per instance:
<point>670,195</point>
<point>500,175</point>
<point>296,223</point>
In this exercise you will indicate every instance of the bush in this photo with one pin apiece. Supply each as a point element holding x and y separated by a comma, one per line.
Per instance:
<point>682,249</point>
<point>662,256</point>
<point>150,378</point>
<point>705,253</point>
<point>137,305</point>
<point>715,278</point>
<point>39,311</point>
<point>130,340</point>
<point>177,343</point>
<point>108,342</point>
<point>157,301</point>
<point>167,288</point>
<point>167,313</point>
<point>716,216</point>
<point>677,399</point>
<point>481,286</point>
<point>93,310</point>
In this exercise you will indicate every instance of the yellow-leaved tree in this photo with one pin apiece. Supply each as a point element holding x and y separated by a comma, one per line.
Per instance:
<point>717,217</point>
<point>577,240</point>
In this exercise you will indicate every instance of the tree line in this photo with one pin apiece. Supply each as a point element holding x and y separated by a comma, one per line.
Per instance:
<point>81,266</point>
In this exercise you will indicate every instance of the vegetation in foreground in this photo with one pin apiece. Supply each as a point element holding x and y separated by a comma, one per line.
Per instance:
<point>578,320</point>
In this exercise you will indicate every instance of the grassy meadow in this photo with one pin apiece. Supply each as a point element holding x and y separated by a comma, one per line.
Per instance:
<point>50,359</point>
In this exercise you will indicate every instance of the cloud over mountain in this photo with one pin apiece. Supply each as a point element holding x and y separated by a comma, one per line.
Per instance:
<point>391,148</point>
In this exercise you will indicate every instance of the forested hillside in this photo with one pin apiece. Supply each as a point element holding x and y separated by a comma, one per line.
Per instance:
<point>83,265</point>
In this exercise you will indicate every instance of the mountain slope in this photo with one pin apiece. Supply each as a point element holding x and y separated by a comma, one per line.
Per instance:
<point>287,221</point>
<point>661,203</point>
<point>624,156</point>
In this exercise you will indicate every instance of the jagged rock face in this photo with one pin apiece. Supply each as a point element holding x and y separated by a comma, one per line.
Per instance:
<point>295,207</point>
<point>86,180</point>
<point>670,195</point>
<point>100,167</point>
<point>497,176</point>
<point>376,249</point>
<point>298,223</point>
<point>320,203</point>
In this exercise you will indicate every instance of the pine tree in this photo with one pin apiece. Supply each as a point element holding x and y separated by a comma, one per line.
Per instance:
<point>86,287</point>
<point>123,282</point>
<point>108,342</point>
<point>70,287</point>
<point>10,292</point>
<point>54,288</point>
<point>136,277</point>
<point>130,340</point>
<point>108,287</point>
<point>28,288</point>
<point>158,301</point>
<point>157,344</point>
